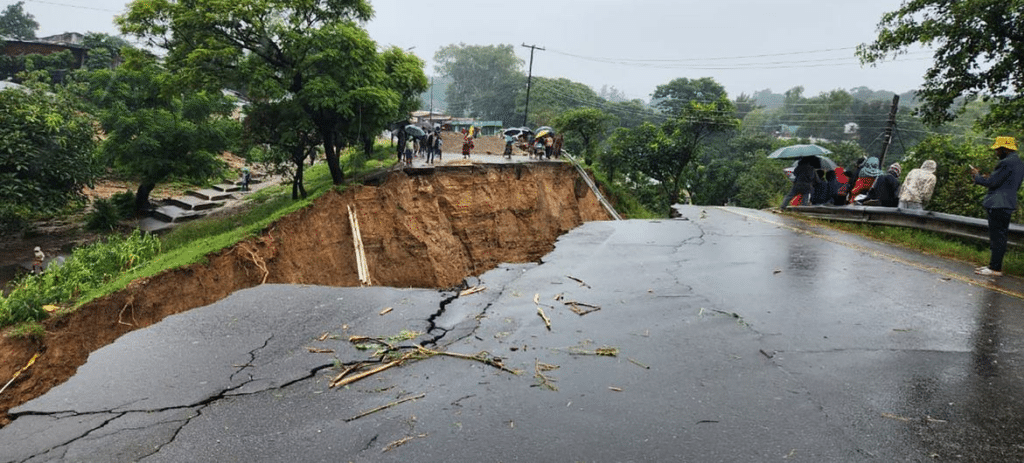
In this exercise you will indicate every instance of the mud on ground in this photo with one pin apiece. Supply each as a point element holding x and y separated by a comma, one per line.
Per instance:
<point>427,228</point>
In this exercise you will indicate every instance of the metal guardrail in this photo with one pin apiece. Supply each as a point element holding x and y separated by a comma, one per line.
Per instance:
<point>949,224</point>
<point>593,186</point>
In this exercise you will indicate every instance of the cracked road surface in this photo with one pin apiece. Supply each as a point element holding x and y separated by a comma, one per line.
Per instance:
<point>727,335</point>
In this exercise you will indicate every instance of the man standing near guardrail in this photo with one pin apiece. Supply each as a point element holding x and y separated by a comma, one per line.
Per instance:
<point>1001,200</point>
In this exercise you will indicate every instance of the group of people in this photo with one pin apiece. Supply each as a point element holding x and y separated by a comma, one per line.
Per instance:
<point>426,146</point>
<point>866,183</point>
<point>863,183</point>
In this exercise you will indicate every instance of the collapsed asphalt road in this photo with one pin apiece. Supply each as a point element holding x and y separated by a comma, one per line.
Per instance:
<point>727,335</point>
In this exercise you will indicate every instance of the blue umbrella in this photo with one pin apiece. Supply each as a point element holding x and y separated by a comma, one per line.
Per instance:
<point>798,151</point>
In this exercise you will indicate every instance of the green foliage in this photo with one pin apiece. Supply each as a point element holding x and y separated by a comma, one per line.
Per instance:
<point>762,184</point>
<point>154,132</point>
<point>550,98</point>
<point>88,268</point>
<point>583,129</point>
<point>675,97</point>
<point>955,192</point>
<point>977,51</point>
<point>16,23</point>
<point>314,52</point>
<point>28,330</point>
<point>108,213</point>
<point>47,151</point>
<point>485,80</point>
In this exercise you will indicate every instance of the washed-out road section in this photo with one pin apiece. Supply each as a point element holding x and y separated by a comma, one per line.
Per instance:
<point>725,335</point>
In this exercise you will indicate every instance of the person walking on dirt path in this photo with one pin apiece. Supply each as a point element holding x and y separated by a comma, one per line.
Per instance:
<point>246,176</point>
<point>509,140</point>
<point>1001,200</point>
<point>37,260</point>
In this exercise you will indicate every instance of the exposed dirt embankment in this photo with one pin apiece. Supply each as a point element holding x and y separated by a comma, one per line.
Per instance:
<point>424,228</point>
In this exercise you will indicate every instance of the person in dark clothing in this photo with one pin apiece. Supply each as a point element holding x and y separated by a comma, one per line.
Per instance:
<point>1001,200</point>
<point>803,184</point>
<point>832,187</point>
<point>886,189</point>
<point>819,195</point>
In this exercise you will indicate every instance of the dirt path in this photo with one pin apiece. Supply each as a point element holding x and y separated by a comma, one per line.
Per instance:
<point>426,229</point>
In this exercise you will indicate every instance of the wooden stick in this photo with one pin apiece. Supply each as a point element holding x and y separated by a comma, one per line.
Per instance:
<point>384,407</point>
<point>547,321</point>
<point>339,381</point>
<point>401,441</point>
<point>22,370</point>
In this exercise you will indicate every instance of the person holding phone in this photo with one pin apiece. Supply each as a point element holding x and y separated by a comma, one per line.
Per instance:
<point>1001,200</point>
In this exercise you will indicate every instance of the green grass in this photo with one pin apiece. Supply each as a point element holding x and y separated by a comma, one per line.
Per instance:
<point>186,244</point>
<point>936,244</point>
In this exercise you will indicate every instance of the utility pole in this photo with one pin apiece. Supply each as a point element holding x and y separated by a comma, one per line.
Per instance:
<point>888,131</point>
<point>529,76</point>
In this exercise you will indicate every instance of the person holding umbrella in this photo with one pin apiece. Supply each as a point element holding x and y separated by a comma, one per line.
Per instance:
<point>804,181</point>
<point>1000,201</point>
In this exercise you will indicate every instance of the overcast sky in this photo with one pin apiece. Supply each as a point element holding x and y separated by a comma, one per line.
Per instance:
<point>632,45</point>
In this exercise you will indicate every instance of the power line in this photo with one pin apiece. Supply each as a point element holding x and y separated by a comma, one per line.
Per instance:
<point>73,6</point>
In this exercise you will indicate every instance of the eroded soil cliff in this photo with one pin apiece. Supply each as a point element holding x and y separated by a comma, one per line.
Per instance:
<point>420,228</point>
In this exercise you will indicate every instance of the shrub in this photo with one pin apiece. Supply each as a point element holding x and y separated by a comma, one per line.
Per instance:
<point>88,268</point>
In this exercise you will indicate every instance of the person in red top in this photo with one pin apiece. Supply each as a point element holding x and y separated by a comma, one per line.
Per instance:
<point>467,147</point>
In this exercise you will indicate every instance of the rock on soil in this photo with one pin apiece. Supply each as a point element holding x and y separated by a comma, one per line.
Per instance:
<point>428,228</point>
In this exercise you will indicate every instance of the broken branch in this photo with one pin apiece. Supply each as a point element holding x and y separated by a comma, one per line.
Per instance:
<point>473,290</point>
<point>401,441</point>
<point>581,282</point>
<point>547,321</point>
<point>385,406</point>
<point>340,380</point>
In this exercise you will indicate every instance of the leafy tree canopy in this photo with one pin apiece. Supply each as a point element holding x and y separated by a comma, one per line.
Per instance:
<point>979,50</point>
<point>674,96</point>
<point>154,131</point>
<point>16,23</point>
<point>485,80</point>
<point>47,150</point>
<point>312,50</point>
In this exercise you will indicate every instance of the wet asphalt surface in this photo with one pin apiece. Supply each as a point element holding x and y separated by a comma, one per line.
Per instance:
<point>738,335</point>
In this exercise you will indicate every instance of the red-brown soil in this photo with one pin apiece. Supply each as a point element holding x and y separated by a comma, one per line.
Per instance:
<point>420,229</point>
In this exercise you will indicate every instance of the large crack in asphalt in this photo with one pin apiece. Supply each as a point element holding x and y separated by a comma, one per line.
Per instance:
<point>197,409</point>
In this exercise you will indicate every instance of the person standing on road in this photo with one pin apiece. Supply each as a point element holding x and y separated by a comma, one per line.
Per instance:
<point>467,147</point>
<point>1001,200</point>
<point>918,187</point>
<point>438,143</point>
<point>803,183</point>
<point>509,140</point>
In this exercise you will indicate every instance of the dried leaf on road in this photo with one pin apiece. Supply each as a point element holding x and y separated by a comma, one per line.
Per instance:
<point>547,321</point>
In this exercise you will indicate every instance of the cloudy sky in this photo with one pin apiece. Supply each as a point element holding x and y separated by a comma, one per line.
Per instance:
<point>632,45</point>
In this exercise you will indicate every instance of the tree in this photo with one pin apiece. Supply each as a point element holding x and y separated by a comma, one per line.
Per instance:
<point>282,128</point>
<point>47,152</point>
<point>17,24</point>
<point>313,51</point>
<point>979,50</point>
<point>552,97</point>
<point>588,126</point>
<point>674,96</point>
<point>154,131</point>
<point>485,80</point>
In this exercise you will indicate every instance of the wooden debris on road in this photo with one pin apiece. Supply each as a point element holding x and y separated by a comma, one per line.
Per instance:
<point>385,407</point>
<point>318,350</point>
<point>401,441</point>
<point>575,307</point>
<point>581,282</point>
<point>473,290</point>
<point>547,321</point>
<point>386,310</point>
<point>543,380</point>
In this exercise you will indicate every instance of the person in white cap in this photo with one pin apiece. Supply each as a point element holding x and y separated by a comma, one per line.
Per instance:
<point>1001,200</point>
<point>37,260</point>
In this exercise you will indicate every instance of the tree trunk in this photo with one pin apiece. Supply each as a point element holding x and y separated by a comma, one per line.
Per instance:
<point>142,204</point>
<point>299,158</point>
<point>333,163</point>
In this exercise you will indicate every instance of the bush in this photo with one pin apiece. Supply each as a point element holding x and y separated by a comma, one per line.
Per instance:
<point>88,268</point>
<point>108,213</point>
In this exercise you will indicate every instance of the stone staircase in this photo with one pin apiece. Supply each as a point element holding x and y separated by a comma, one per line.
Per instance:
<point>193,205</point>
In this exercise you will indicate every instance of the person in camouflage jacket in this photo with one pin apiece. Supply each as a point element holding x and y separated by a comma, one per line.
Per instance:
<point>918,187</point>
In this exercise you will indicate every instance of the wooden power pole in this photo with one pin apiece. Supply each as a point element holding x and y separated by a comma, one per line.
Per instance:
<point>529,76</point>
<point>887,139</point>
